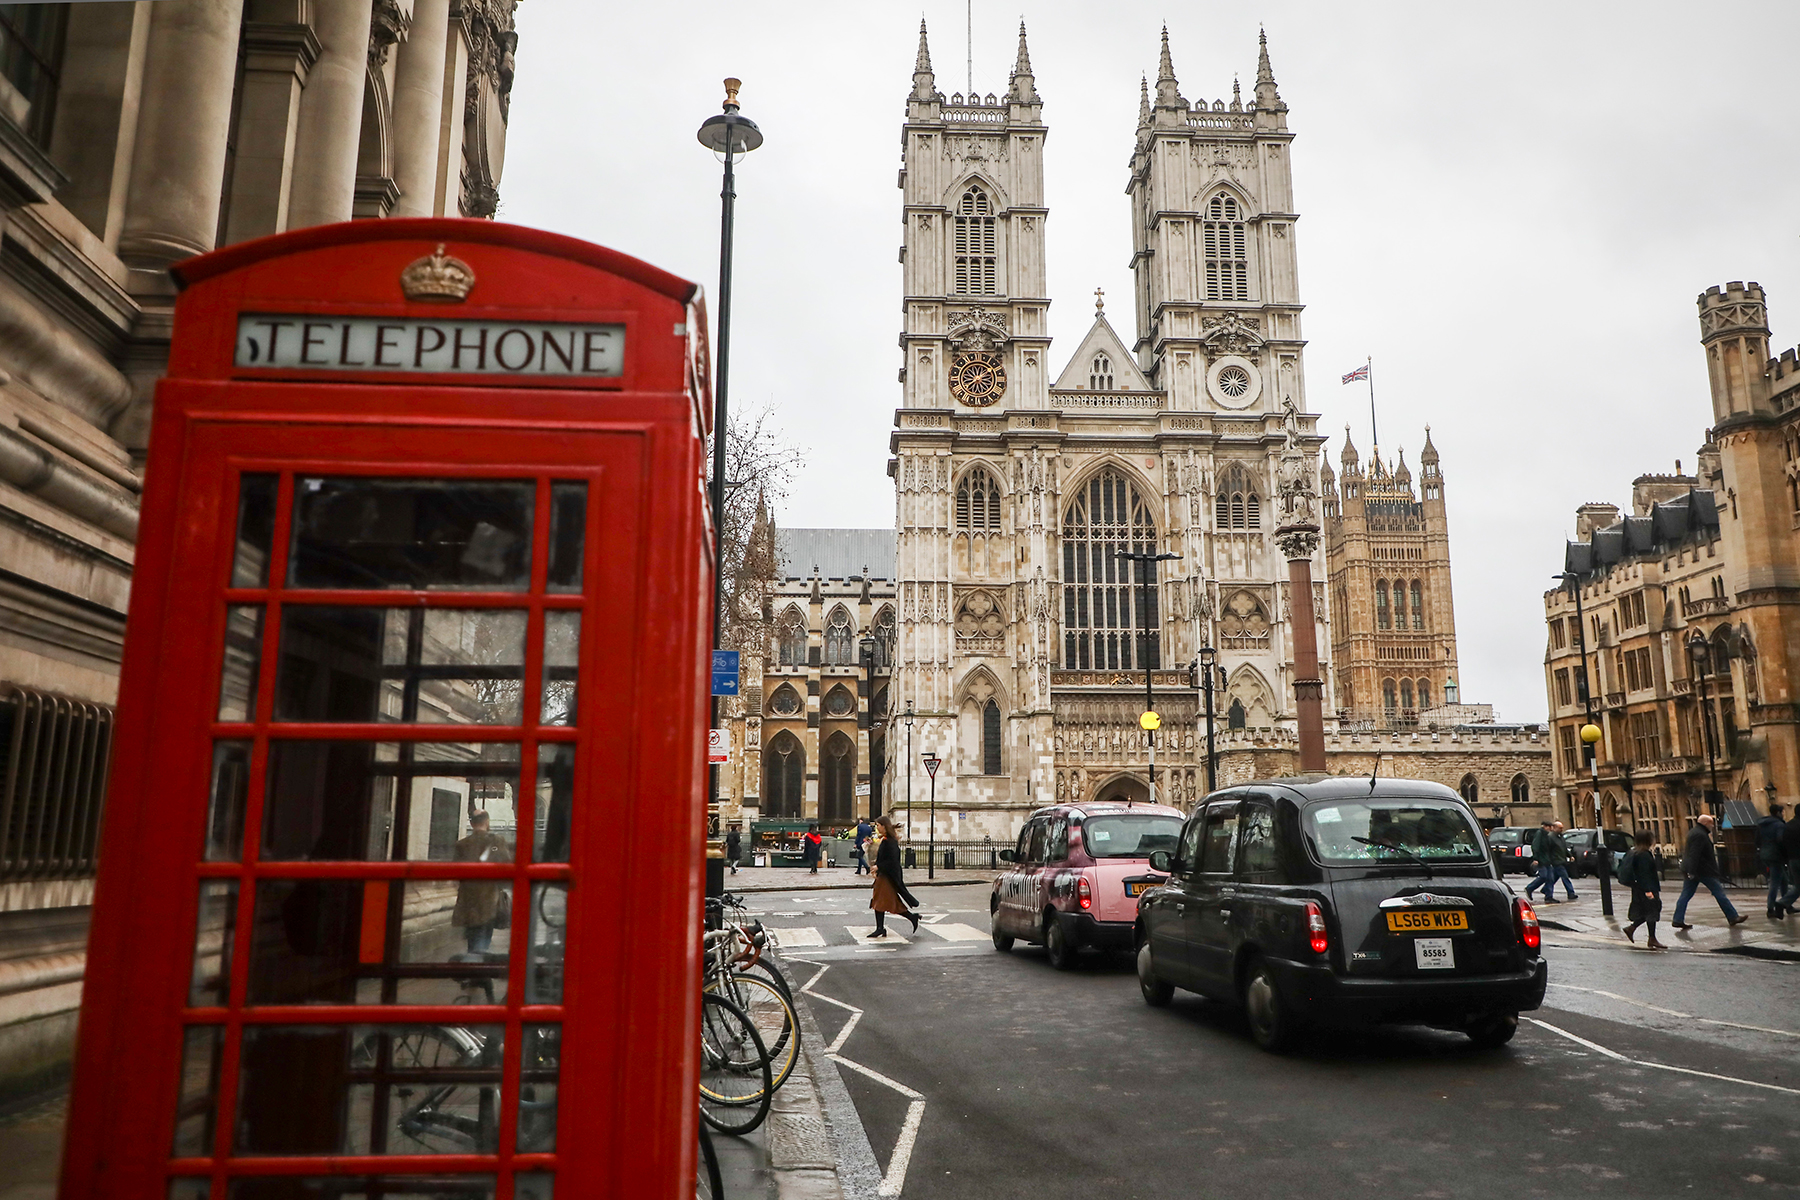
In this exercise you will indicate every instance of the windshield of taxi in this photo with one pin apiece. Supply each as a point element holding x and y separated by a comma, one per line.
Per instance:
<point>1438,830</point>
<point>1130,836</point>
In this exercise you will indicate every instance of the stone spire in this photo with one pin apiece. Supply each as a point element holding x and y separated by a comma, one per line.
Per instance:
<point>1266,95</point>
<point>1429,455</point>
<point>1402,474</point>
<point>1143,103</point>
<point>1024,87</point>
<point>1168,94</point>
<point>1349,457</point>
<point>1237,97</point>
<point>924,82</point>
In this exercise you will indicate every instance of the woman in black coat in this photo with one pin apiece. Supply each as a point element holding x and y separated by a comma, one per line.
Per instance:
<point>1637,871</point>
<point>890,895</point>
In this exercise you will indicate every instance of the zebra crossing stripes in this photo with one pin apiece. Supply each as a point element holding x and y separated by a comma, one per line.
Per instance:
<point>899,934</point>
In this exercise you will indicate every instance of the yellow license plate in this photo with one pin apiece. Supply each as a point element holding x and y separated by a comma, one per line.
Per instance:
<point>1135,889</point>
<point>1427,920</point>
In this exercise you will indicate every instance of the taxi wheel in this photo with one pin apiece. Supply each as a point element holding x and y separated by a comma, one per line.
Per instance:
<point>1271,1023</point>
<point>1157,993</point>
<point>1491,1032</point>
<point>1056,945</point>
<point>1002,941</point>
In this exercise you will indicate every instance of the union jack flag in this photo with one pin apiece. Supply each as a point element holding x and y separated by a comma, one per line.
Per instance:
<point>1361,372</point>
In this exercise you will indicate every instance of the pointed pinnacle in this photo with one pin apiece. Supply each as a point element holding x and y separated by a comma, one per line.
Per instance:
<point>1168,93</point>
<point>1024,88</point>
<point>1165,68</point>
<point>1023,65</point>
<point>1143,102</point>
<point>1264,74</point>
<point>923,62</point>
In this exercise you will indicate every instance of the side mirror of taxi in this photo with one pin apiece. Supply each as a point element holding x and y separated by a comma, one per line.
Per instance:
<point>1009,856</point>
<point>1160,860</point>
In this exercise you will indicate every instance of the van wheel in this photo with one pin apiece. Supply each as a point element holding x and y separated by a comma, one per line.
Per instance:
<point>1492,1031</point>
<point>1056,945</point>
<point>1002,941</point>
<point>1271,1020</point>
<point>1157,993</point>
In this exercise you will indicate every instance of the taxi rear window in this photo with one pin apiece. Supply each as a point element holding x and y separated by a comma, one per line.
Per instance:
<point>1130,836</point>
<point>1358,832</point>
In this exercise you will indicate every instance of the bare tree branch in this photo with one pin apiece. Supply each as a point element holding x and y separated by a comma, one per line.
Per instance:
<point>759,465</point>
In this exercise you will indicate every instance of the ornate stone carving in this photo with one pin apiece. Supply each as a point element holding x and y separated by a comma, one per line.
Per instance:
<point>387,25</point>
<point>1297,489</point>
<point>1244,624</point>
<point>1231,333</point>
<point>980,624</point>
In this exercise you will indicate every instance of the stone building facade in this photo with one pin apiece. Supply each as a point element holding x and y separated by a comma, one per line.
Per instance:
<point>134,135</point>
<point>1394,617</point>
<point>1018,488</point>
<point>1691,607</point>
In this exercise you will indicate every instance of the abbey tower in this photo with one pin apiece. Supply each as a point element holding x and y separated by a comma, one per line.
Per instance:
<point>1021,639</point>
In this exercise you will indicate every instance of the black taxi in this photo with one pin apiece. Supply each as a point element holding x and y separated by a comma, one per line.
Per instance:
<point>1340,900</point>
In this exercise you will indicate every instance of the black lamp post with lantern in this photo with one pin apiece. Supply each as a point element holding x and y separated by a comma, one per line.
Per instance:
<point>869,648</point>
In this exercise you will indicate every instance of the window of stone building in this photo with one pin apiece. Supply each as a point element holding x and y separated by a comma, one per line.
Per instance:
<point>790,639</point>
<point>1567,739</point>
<point>1688,724</point>
<point>1406,695</point>
<point>974,242</point>
<point>1557,641</point>
<point>839,702</point>
<point>1470,789</point>
<point>1418,605</point>
<point>1646,737</point>
<point>1237,504</point>
<point>31,51</point>
<point>990,738</point>
<point>840,638</point>
<point>1390,698</point>
<point>1101,593</point>
<point>1100,377</point>
<point>1383,619</point>
<point>884,637</point>
<point>1227,259</point>
<point>1424,693</point>
<point>1235,715</point>
<point>1564,697</point>
<point>1521,789</point>
<point>1399,604</point>
<point>978,502</point>
<point>784,776</point>
<point>784,701</point>
<point>837,780</point>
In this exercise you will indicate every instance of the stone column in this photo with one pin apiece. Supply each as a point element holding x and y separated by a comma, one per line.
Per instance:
<point>277,57</point>
<point>331,109</point>
<point>419,108</point>
<point>1297,536</point>
<point>178,164</point>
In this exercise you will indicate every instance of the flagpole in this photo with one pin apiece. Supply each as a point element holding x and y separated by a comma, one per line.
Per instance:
<point>1369,374</point>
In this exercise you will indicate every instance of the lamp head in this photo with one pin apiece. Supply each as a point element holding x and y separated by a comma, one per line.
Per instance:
<point>1590,734</point>
<point>728,131</point>
<point>1208,656</point>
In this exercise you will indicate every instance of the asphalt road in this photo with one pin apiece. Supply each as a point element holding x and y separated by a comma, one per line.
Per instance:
<point>979,1074</point>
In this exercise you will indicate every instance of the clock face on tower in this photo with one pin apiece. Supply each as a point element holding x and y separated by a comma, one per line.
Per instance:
<point>977,378</point>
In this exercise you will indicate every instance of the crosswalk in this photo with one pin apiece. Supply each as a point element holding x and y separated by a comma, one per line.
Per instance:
<point>900,933</point>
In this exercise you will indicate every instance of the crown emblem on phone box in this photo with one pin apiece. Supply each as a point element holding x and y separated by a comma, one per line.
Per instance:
<point>437,277</point>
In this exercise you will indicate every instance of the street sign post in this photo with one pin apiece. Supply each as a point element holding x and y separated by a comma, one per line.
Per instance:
<point>718,746</point>
<point>931,765</point>
<point>724,672</point>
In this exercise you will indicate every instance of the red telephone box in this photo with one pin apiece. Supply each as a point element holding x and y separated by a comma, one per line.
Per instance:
<point>400,877</point>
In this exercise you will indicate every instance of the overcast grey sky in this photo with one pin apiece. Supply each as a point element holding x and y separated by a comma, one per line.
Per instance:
<point>1510,206</point>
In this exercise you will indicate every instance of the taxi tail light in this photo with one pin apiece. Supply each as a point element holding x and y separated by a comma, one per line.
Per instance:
<point>1084,892</point>
<point>1526,923</point>
<point>1315,928</point>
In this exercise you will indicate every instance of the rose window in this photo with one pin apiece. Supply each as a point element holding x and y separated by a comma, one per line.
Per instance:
<point>1234,382</point>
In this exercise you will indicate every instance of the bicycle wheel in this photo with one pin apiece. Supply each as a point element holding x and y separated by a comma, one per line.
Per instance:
<point>735,1081</point>
<point>763,966</point>
<point>707,1184</point>
<point>425,1116</point>
<point>772,1014</point>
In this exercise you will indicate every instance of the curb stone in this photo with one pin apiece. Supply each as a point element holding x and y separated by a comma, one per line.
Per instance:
<point>823,1119</point>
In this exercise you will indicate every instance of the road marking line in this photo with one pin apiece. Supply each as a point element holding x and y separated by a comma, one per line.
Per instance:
<point>932,918</point>
<point>895,1179</point>
<point>1640,1062</point>
<point>803,936</point>
<point>878,1077</point>
<point>951,931</point>
<point>1669,1012</point>
<point>861,936</point>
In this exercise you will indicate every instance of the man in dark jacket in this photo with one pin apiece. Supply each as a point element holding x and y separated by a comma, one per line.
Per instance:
<point>1540,856</point>
<point>734,848</point>
<point>1774,858</point>
<point>1790,845</point>
<point>1700,866</point>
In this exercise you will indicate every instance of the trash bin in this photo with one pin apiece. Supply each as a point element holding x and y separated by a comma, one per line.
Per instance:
<point>912,858</point>
<point>950,860</point>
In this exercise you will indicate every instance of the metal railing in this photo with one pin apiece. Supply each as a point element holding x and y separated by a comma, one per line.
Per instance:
<point>54,756</point>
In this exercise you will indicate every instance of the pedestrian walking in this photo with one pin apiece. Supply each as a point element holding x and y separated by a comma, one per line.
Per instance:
<point>890,894</point>
<point>1637,871</point>
<point>1544,876</point>
<point>734,847</point>
<point>1774,859</point>
<point>864,831</point>
<point>812,848</point>
<point>1790,845</point>
<point>1700,867</point>
<point>1559,862</point>
<point>481,904</point>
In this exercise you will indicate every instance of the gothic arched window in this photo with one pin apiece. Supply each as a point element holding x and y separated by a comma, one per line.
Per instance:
<point>990,738</point>
<point>1399,605</point>
<point>1382,620</point>
<point>974,239</point>
<point>1470,789</point>
<point>1100,377</point>
<point>1227,262</point>
<point>1521,789</point>
<point>1418,605</point>
<point>884,638</point>
<point>791,639</point>
<point>1234,716</point>
<point>1424,693</point>
<point>1100,589</point>
<point>784,701</point>
<point>1406,695</point>
<point>1390,699</point>
<point>837,781</point>
<point>1237,505</point>
<point>840,639</point>
<point>784,776</point>
<point>978,502</point>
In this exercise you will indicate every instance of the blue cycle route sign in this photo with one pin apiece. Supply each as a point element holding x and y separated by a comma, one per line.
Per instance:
<point>724,672</point>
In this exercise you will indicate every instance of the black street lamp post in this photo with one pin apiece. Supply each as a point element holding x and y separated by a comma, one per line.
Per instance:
<point>1700,654</point>
<point>909,721</point>
<point>1602,856</point>
<point>1148,721</point>
<point>867,645</point>
<point>1204,667</point>
<point>730,136</point>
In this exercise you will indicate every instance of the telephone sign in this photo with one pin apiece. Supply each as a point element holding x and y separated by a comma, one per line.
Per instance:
<point>416,646</point>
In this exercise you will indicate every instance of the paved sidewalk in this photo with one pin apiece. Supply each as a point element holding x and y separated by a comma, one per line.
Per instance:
<point>831,879</point>
<point>1759,935</point>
